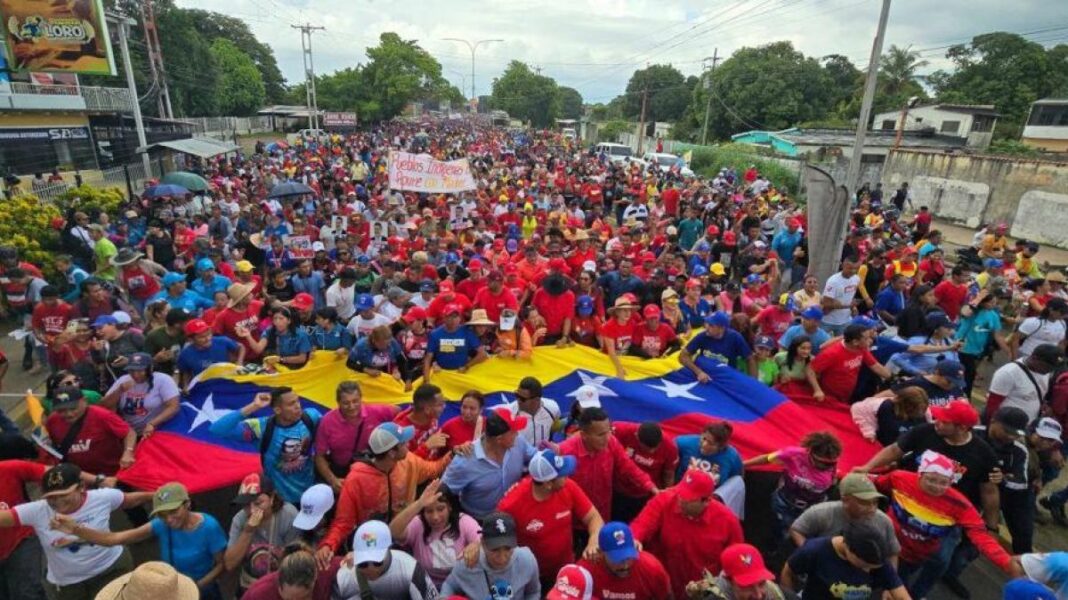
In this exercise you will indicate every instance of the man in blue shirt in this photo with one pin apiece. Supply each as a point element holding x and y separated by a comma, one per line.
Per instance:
<point>495,462</point>
<point>891,300</point>
<point>786,241</point>
<point>177,296</point>
<point>720,342</point>
<point>204,350</point>
<point>809,327</point>
<point>844,566</point>
<point>309,282</point>
<point>208,281</point>
<point>453,345</point>
<point>285,438</point>
<point>617,283</point>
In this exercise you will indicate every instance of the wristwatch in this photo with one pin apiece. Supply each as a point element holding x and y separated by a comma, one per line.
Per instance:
<point>100,477</point>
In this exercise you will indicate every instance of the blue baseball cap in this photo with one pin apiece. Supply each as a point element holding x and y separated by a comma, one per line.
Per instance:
<point>105,320</point>
<point>389,434</point>
<point>813,313</point>
<point>765,341</point>
<point>139,361</point>
<point>205,264</point>
<point>547,466</point>
<point>617,542</point>
<point>365,302</point>
<point>427,285</point>
<point>719,319</point>
<point>452,258</point>
<point>363,259</point>
<point>1025,589</point>
<point>936,320</point>
<point>993,263</point>
<point>584,307</point>
<point>172,278</point>
<point>951,370</point>
<point>754,278</point>
<point>866,322</point>
<point>699,271</point>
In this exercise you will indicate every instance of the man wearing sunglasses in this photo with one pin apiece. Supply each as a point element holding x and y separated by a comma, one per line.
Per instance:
<point>381,573</point>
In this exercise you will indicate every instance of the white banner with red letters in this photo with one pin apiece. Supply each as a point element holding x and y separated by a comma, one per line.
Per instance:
<point>422,173</point>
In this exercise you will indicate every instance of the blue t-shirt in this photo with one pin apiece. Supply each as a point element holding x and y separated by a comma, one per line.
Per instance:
<point>290,343</point>
<point>695,316</point>
<point>727,349</point>
<point>333,339</point>
<point>192,553</point>
<point>194,360</point>
<point>288,460</point>
<point>890,300</point>
<point>722,465</point>
<point>831,577</point>
<point>189,301</point>
<point>975,331</point>
<point>818,338</point>
<point>452,350</point>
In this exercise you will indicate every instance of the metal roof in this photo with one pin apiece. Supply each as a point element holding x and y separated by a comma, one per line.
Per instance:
<point>874,138</point>
<point>199,146</point>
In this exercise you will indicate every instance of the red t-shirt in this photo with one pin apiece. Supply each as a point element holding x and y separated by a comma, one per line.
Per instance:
<point>774,321</point>
<point>648,580</point>
<point>138,282</point>
<point>98,446</point>
<point>418,442</point>
<point>838,367</point>
<point>226,323</point>
<point>470,288</point>
<point>653,342</point>
<point>459,431</point>
<point>620,335</point>
<point>555,309</point>
<point>655,463</point>
<point>546,527</point>
<point>14,475</point>
<point>951,297</point>
<point>494,304</point>
<point>52,319</point>
<point>670,198</point>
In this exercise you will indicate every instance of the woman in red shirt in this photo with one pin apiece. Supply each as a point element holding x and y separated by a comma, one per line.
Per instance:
<point>618,333</point>
<point>468,425</point>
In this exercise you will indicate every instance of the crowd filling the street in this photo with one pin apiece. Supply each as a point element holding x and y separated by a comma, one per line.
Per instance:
<point>954,373</point>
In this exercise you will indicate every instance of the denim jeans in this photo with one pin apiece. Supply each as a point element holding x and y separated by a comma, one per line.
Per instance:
<point>931,570</point>
<point>785,514</point>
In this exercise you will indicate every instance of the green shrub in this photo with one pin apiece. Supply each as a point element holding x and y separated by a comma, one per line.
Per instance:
<point>88,199</point>
<point>708,160</point>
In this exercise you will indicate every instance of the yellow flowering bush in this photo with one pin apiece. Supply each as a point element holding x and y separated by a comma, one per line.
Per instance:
<point>26,224</point>
<point>88,198</point>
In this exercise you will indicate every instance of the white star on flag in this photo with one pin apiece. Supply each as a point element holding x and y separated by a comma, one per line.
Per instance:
<point>595,381</point>
<point>677,390</point>
<point>207,413</point>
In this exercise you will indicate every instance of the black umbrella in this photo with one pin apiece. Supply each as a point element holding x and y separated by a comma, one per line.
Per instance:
<point>290,188</point>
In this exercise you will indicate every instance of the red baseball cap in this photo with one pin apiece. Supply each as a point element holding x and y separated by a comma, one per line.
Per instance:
<point>743,565</point>
<point>730,238</point>
<point>694,283</point>
<point>430,272</point>
<point>302,301</point>
<point>648,256</point>
<point>501,421</point>
<point>196,327</point>
<point>712,230</point>
<point>695,485</point>
<point>651,311</point>
<point>474,265</point>
<point>958,412</point>
<point>452,309</point>
<point>572,583</point>
<point>415,313</point>
<point>446,286</point>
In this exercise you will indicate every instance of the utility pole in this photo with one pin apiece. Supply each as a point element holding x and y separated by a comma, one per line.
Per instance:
<point>708,89</point>
<point>155,59</point>
<point>641,122</point>
<point>124,23</point>
<point>853,174</point>
<point>306,31</point>
<point>472,47</point>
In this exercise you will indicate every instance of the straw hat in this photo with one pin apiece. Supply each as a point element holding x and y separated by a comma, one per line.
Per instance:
<point>151,580</point>
<point>621,302</point>
<point>237,292</point>
<point>479,317</point>
<point>125,257</point>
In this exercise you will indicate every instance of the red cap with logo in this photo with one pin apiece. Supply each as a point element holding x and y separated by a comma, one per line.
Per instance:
<point>958,412</point>
<point>744,566</point>
<point>572,583</point>
<point>415,313</point>
<point>302,301</point>
<point>651,311</point>
<point>695,485</point>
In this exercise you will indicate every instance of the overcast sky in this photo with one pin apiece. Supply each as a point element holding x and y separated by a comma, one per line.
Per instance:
<point>595,45</point>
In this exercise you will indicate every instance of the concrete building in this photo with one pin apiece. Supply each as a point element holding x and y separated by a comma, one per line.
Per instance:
<point>974,123</point>
<point>1047,125</point>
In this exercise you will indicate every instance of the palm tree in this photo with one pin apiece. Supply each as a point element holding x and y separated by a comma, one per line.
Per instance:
<point>898,69</point>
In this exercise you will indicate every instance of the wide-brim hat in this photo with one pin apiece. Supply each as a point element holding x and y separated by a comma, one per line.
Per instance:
<point>238,292</point>
<point>622,303</point>
<point>480,317</point>
<point>151,580</point>
<point>125,256</point>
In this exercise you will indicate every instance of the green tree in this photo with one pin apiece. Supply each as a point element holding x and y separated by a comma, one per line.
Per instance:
<point>240,88</point>
<point>213,26</point>
<point>570,103</point>
<point>398,72</point>
<point>525,95</point>
<point>845,77</point>
<point>769,87</point>
<point>1003,69</point>
<point>192,74</point>
<point>668,93</point>
<point>898,70</point>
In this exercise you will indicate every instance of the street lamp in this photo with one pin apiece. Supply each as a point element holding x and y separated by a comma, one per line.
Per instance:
<point>463,78</point>
<point>472,48</point>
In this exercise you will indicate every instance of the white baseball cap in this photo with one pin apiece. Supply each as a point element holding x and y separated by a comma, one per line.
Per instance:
<point>587,397</point>
<point>314,503</point>
<point>1049,428</point>
<point>122,317</point>
<point>371,542</point>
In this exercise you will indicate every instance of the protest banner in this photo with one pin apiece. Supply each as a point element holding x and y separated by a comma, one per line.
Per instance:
<point>422,173</point>
<point>57,37</point>
<point>300,246</point>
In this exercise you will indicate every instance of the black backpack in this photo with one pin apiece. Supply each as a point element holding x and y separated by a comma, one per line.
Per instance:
<point>272,424</point>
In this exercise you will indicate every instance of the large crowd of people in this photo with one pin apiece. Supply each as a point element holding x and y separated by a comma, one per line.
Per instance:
<point>557,246</point>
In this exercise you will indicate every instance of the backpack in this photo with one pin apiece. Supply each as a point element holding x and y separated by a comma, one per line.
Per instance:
<point>272,424</point>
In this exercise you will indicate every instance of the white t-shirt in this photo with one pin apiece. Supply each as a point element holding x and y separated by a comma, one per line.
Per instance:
<point>394,584</point>
<point>842,290</point>
<point>139,404</point>
<point>360,326</point>
<point>343,299</point>
<point>539,427</point>
<point>1012,382</point>
<point>1038,332</point>
<point>72,563</point>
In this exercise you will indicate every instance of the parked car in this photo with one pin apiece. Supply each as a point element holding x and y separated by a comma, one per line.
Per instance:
<point>665,161</point>
<point>617,153</point>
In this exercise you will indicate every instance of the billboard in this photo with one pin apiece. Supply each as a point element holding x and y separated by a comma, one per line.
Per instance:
<point>339,119</point>
<point>65,36</point>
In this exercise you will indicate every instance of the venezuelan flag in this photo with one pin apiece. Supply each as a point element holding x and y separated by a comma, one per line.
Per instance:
<point>659,390</point>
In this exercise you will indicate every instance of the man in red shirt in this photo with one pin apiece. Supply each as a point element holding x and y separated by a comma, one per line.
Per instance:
<point>242,312</point>
<point>547,506</point>
<point>624,571</point>
<point>447,295</point>
<point>494,298</point>
<point>653,338</point>
<point>688,529</point>
<point>670,198</point>
<point>838,366</point>
<point>423,415</point>
<point>603,463</point>
<point>101,441</point>
<point>50,318</point>
<point>556,303</point>
<point>475,281</point>
<point>647,446</point>
<point>951,293</point>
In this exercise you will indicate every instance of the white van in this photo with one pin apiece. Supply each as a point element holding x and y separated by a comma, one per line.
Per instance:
<point>617,153</point>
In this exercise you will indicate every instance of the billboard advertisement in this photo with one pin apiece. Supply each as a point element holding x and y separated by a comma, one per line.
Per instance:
<point>64,36</point>
<point>339,119</point>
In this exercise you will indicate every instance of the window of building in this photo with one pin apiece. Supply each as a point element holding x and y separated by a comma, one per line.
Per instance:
<point>1049,115</point>
<point>982,124</point>
<point>889,124</point>
<point>950,126</point>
